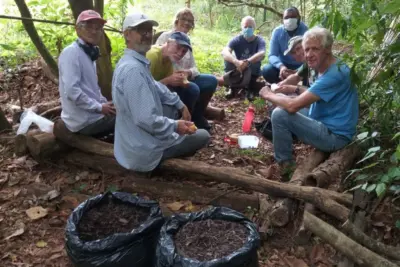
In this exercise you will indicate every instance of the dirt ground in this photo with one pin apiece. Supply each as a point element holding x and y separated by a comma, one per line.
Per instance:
<point>38,239</point>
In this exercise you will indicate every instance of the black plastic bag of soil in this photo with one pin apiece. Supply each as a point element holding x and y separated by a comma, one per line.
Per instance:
<point>168,254</point>
<point>131,249</point>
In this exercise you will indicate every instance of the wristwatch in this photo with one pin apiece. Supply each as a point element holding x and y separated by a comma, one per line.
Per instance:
<point>297,91</point>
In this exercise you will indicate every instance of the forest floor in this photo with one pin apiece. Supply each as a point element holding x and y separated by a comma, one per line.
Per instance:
<point>24,183</point>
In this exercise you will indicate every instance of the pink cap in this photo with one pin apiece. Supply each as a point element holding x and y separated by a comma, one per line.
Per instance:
<point>89,15</point>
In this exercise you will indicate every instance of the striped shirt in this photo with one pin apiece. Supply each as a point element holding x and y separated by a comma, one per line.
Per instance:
<point>186,63</point>
<point>81,98</point>
<point>142,133</point>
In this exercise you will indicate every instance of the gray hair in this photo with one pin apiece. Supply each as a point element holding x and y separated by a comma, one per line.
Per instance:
<point>81,24</point>
<point>250,18</point>
<point>321,34</point>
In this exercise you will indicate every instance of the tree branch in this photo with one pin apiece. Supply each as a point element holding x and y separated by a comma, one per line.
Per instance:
<point>37,41</point>
<point>236,3</point>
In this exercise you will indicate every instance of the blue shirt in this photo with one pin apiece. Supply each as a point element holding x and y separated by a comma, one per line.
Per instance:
<point>279,43</point>
<point>81,98</point>
<point>142,133</point>
<point>244,49</point>
<point>337,108</point>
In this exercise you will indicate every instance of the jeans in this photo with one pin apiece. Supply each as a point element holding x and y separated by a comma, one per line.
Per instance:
<point>271,73</point>
<point>102,127</point>
<point>197,95</point>
<point>308,130</point>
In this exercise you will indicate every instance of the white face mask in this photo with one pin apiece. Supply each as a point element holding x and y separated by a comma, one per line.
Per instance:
<point>290,24</point>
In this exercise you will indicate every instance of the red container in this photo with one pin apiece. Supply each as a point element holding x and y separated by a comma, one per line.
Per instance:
<point>248,120</point>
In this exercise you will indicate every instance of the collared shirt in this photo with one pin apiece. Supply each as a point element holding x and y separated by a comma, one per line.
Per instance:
<point>81,97</point>
<point>159,68</point>
<point>279,43</point>
<point>142,133</point>
<point>187,62</point>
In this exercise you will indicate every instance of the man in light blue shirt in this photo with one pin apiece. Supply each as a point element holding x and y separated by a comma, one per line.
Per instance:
<point>280,65</point>
<point>84,109</point>
<point>332,118</point>
<point>148,128</point>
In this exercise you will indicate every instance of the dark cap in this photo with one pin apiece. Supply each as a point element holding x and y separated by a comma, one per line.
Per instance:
<point>182,39</point>
<point>237,79</point>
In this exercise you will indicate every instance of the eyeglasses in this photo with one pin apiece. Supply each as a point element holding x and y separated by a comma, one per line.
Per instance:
<point>92,26</point>
<point>144,31</point>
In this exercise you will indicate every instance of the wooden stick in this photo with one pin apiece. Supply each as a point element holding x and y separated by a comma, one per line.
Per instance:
<point>365,240</point>
<point>345,245</point>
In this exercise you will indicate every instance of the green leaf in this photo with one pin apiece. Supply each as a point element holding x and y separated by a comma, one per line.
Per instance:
<point>398,224</point>
<point>380,189</point>
<point>369,155</point>
<point>394,172</point>
<point>384,179</point>
<point>391,7</point>
<point>7,47</point>
<point>362,136</point>
<point>374,149</point>
<point>395,188</point>
<point>364,186</point>
<point>396,136</point>
<point>371,188</point>
<point>361,177</point>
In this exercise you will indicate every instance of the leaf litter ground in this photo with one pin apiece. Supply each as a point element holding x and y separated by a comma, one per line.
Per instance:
<point>25,184</point>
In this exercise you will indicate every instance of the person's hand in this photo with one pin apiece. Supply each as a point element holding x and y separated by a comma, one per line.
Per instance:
<point>177,79</point>
<point>186,127</point>
<point>186,114</point>
<point>108,109</point>
<point>285,72</point>
<point>241,65</point>
<point>187,73</point>
<point>285,89</point>
<point>265,91</point>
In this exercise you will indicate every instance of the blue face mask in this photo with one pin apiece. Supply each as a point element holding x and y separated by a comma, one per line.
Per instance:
<point>248,32</point>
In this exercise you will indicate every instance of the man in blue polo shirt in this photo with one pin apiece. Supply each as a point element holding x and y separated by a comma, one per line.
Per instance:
<point>332,118</point>
<point>280,65</point>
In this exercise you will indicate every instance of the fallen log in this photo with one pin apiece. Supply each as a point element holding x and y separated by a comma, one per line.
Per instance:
<point>214,113</point>
<point>44,145</point>
<point>284,209</point>
<point>333,168</point>
<point>184,191</point>
<point>354,232</point>
<point>21,146</point>
<point>344,244</point>
<point>52,113</point>
<point>328,201</point>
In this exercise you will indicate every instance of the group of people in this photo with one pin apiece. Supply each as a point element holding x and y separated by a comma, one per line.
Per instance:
<point>159,97</point>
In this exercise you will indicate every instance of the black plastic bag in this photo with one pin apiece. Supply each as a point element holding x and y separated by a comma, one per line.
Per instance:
<point>265,128</point>
<point>166,255</point>
<point>134,249</point>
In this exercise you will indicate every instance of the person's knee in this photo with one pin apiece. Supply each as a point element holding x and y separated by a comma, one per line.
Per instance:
<point>279,115</point>
<point>203,137</point>
<point>193,90</point>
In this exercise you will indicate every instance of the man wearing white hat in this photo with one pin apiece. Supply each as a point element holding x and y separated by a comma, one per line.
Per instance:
<point>148,128</point>
<point>84,109</point>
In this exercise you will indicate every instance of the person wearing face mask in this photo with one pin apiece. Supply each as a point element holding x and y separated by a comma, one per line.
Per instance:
<point>163,59</point>
<point>207,83</point>
<point>84,109</point>
<point>148,127</point>
<point>280,65</point>
<point>249,51</point>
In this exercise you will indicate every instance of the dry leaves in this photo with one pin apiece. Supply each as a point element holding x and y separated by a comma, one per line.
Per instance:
<point>19,230</point>
<point>36,213</point>
<point>41,244</point>
<point>178,205</point>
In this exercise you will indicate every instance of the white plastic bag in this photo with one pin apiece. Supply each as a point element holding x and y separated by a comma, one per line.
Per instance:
<point>248,141</point>
<point>28,117</point>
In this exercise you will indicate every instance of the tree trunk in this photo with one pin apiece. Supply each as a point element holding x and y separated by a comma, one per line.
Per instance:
<point>21,146</point>
<point>99,6</point>
<point>44,145</point>
<point>214,113</point>
<point>37,41</point>
<point>4,123</point>
<point>187,3</point>
<point>103,64</point>
<point>345,245</point>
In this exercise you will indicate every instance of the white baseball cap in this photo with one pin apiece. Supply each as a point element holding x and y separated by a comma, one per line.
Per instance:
<point>135,19</point>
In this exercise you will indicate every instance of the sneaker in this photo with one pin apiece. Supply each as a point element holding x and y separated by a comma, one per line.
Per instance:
<point>202,123</point>
<point>229,94</point>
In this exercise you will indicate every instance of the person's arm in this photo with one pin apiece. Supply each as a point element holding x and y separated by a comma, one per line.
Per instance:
<point>228,56</point>
<point>71,78</point>
<point>292,79</point>
<point>167,97</point>
<point>259,56</point>
<point>291,105</point>
<point>273,56</point>
<point>143,106</point>
<point>192,66</point>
